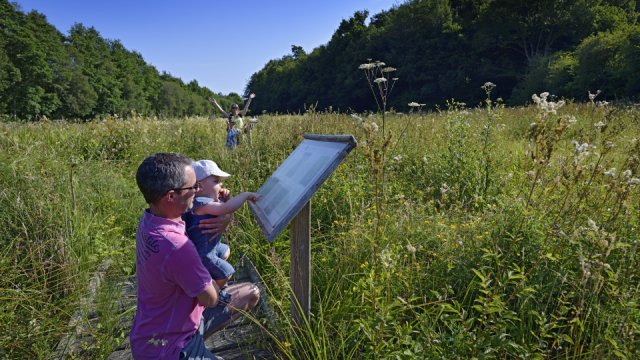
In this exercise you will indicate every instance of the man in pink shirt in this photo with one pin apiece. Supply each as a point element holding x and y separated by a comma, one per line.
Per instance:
<point>178,304</point>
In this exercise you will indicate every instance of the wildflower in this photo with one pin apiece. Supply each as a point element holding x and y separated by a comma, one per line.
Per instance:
<point>592,225</point>
<point>580,148</point>
<point>388,69</point>
<point>572,120</point>
<point>394,79</point>
<point>413,104</point>
<point>634,181</point>
<point>599,125</point>
<point>380,63</point>
<point>593,96</point>
<point>411,248</point>
<point>398,158</point>
<point>626,173</point>
<point>366,66</point>
<point>379,80</point>
<point>356,117</point>
<point>374,126</point>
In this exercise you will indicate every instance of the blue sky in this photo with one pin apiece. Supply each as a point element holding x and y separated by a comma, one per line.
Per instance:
<point>206,40</point>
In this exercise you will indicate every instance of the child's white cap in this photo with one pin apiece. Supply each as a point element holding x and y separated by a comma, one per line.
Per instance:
<point>205,168</point>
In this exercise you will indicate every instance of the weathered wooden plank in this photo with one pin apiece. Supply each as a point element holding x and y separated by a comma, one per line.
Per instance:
<point>251,352</point>
<point>121,355</point>
<point>301,265</point>
<point>77,323</point>
<point>257,280</point>
<point>229,338</point>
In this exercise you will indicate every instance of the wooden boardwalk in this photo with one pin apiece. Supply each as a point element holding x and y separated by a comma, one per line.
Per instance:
<point>243,339</point>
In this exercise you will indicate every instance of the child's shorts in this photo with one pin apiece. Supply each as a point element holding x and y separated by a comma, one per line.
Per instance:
<point>212,260</point>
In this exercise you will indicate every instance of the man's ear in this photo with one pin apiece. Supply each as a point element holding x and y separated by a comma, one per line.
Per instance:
<point>170,195</point>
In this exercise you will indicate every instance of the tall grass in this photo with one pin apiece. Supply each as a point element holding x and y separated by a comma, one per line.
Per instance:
<point>482,250</point>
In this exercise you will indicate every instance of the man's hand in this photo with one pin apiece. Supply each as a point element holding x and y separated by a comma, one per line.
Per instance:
<point>215,226</point>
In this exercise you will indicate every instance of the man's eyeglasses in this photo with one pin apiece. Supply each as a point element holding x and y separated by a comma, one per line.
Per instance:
<point>195,187</point>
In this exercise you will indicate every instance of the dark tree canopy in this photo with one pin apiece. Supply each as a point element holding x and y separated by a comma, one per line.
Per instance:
<point>446,49</point>
<point>82,75</point>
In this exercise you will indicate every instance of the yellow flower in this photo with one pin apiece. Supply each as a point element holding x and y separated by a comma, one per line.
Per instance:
<point>286,344</point>
<point>453,226</point>
<point>486,233</point>
<point>323,259</point>
<point>362,265</point>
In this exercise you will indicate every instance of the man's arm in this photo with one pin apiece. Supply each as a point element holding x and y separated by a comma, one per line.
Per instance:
<point>209,297</point>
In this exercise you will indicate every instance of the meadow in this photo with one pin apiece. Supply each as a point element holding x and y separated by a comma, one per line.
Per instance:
<point>479,232</point>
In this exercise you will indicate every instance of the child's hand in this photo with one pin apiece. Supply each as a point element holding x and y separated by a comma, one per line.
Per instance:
<point>253,197</point>
<point>225,193</point>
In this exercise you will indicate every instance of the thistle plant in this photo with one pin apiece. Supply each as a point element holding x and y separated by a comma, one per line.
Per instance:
<point>376,148</point>
<point>380,76</point>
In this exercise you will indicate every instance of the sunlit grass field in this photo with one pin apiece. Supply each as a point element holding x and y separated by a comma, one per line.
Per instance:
<point>488,232</point>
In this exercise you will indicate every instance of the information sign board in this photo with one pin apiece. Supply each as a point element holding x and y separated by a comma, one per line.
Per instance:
<point>297,179</point>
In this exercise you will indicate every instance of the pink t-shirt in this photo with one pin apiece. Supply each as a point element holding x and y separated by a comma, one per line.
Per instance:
<point>170,276</point>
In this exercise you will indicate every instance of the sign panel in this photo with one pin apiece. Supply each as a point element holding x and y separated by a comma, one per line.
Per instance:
<point>297,179</point>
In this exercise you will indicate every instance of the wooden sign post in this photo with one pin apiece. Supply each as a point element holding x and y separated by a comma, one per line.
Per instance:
<point>301,265</point>
<point>286,198</point>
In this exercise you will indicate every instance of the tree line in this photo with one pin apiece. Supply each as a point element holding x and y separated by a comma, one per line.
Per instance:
<point>447,49</point>
<point>82,75</point>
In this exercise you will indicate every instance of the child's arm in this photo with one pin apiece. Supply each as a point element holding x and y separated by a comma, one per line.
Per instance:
<point>216,208</point>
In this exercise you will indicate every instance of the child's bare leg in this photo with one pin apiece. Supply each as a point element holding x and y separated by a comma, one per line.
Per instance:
<point>226,255</point>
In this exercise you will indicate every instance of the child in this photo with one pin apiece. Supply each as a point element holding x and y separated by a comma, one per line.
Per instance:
<point>232,134</point>
<point>212,200</point>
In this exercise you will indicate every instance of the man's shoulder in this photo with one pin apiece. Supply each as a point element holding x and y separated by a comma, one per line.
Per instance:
<point>174,234</point>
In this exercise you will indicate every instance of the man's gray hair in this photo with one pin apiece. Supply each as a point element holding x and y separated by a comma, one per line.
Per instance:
<point>160,173</point>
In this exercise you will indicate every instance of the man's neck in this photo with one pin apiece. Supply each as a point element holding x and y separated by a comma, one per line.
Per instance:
<point>164,213</point>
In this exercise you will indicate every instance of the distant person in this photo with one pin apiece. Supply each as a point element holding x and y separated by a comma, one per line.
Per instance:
<point>210,201</point>
<point>235,120</point>
<point>178,303</point>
